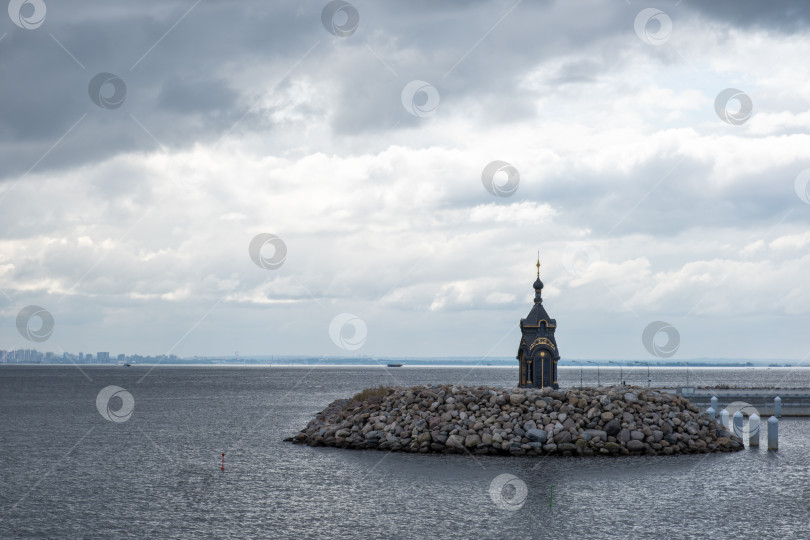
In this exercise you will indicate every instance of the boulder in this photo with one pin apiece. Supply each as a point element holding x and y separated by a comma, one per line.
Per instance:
<point>454,441</point>
<point>536,435</point>
<point>614,421</point>
<point>563,437</point>
<point>589,434</point>
<point>612,447</point>
<point>635,445</point>
<point>517,399</point>
<point>613,427</point>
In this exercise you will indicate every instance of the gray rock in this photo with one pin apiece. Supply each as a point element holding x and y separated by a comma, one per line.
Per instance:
<point>563,437</point>
<point>612,447</point>
<point>537,435</point>
<point>454,441</point>
<point>472,441</point>
<point>635,445</point>
<point>517,399</point>
<point>589,434</point>
<point>631,397</point>
<point>636,435</point>
<point>623,435</point>
<point>613,427</point>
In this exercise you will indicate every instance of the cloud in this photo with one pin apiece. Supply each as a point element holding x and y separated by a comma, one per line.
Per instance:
<point>133,224</point>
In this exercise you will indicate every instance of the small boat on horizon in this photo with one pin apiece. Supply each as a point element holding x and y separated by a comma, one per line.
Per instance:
<point>394,365</point>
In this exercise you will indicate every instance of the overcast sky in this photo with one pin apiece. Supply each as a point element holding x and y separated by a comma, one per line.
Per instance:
<point>145,145</point>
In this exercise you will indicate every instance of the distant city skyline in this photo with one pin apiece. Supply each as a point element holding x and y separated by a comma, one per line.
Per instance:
<point>33,356</point>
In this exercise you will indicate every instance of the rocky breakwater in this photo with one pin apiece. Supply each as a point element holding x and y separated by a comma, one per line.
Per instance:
<point>610,421</point>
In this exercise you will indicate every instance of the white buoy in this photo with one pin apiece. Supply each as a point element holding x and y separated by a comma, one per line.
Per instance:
<point>753,430</point>
<point>724,418</point>
<point>738,424</point>
<point>773,433</point>
<point>777,407</point>
<point>715,404</point>
<point>711,412</point>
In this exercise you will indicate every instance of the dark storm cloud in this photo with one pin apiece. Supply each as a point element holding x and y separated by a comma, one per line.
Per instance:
<point>45,91</point>
<point>194,82</point>
<point>469,50</point>
<point>180,96</point>
<point>779,15</point>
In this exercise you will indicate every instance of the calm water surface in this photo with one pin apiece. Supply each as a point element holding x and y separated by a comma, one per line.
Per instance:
<point>67,472</point>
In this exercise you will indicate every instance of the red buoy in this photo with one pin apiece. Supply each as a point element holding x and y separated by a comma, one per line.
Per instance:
<point>223,461</point>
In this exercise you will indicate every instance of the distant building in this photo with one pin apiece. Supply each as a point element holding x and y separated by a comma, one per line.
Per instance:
<point>103,358</point>
<point>122,358</point>
<point>537,352</point>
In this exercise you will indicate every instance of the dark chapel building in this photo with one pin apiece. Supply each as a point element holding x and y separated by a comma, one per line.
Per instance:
<point>537,353</point>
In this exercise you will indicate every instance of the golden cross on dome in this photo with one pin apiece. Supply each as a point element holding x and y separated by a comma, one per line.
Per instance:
<point>538,263</point>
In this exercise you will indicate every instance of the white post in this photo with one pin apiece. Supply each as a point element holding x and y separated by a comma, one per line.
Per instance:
<point>738,424</point>
<point>711,412</point>
<point>773,433</point>
<point>715,403</point>
<point>777,407</point>
<point>753,430</point>
<point>724,418</point>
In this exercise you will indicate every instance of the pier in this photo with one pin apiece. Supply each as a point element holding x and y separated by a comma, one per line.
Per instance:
<point>795,402</point>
